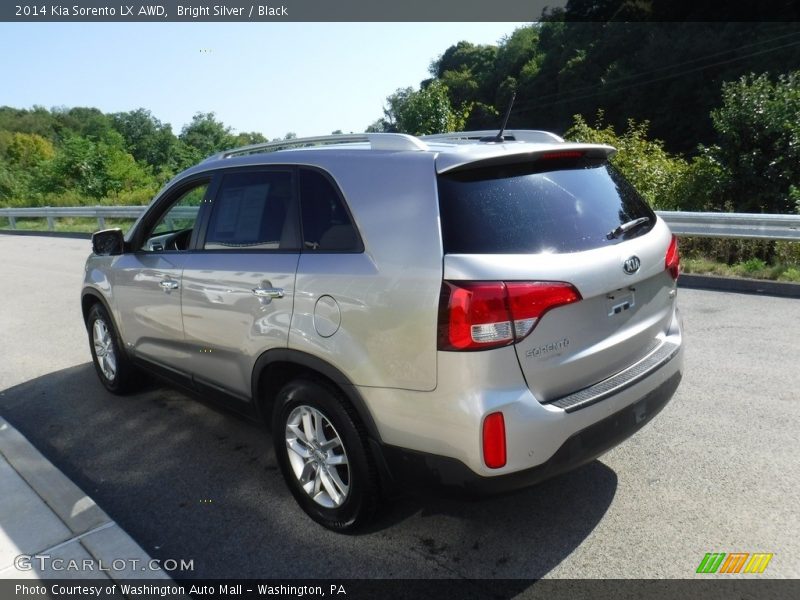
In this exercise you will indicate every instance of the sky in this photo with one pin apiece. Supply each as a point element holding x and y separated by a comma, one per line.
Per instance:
<point>307,78</point>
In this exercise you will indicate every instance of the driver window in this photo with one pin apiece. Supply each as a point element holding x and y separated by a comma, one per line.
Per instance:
<point>174,230</point>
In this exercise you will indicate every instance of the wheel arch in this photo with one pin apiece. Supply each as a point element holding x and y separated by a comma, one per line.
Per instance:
<point>90,297</point>
<point>276,367</point>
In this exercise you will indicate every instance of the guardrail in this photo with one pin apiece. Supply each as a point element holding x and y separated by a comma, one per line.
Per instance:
<point>101,213</point>
<point>733,225</point>
<point>715,225</point>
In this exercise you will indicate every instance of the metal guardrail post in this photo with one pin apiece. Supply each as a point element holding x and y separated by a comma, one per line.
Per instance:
<point>101,221</point>
<point>51,225</point>
<point>12,221</point>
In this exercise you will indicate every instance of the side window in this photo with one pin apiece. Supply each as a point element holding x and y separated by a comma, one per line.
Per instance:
<point>326,224</point>
<point>253,210</point>
<point>173,230</point>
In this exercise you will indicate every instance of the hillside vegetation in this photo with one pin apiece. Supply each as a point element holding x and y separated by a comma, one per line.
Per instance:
<point>706,116</point>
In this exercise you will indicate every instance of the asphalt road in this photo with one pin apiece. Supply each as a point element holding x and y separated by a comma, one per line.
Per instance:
<point>717,471</point>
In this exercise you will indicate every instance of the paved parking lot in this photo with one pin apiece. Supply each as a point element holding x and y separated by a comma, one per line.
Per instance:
<point>717,471</point>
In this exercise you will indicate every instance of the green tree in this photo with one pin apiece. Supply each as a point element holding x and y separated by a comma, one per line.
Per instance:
<point>291,135</point>
<point>206,135</point>
<point>758,129</point>
<point>248,138</point>
<point>86,122</point>
<point>515,52</point>
<point>469,72</point>
<point>477,59</point>
<point>94,169</point>
<point>9,185</point>
<point>461,85</point>
<point>23,156</point>
<point>37,120</point>
<point>27,150</point>
<point>146,138</point>
<point>423,112</point>
<point>379,126</point>
<point>595,55</point>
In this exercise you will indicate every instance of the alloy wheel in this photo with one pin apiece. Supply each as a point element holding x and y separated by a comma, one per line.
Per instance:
<point>104,349</point>
<point>317,456</point>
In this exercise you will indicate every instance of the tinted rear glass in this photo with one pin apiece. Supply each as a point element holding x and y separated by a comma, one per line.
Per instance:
<point>521,209</point>
<point>326,224</point>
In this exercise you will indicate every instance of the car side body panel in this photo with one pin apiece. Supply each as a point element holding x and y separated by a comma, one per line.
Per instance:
<point>226,326</point>
<point>386,297</point>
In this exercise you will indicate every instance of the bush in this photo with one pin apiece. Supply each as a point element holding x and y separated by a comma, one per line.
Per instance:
<point>790,274</point>
<point>728,251</point>
<point>138,197</point>
<point>702,183</point>
<point>758,128</point>
<point>654,172</point>
<point>787,253</point>
<point>752,265</point>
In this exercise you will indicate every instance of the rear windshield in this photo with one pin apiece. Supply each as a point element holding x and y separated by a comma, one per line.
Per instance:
<point>519,209</point>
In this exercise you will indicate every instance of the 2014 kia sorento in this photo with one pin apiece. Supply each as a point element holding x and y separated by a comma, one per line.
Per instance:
<point>469,309</point>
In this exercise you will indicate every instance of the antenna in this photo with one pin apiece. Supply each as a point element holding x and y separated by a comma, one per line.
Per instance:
<point>499,137</point>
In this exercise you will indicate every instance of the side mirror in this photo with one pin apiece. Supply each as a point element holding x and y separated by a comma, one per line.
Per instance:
<point>108,242</point>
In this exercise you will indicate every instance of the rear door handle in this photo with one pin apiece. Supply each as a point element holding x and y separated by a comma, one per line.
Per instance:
<point>168,284</point>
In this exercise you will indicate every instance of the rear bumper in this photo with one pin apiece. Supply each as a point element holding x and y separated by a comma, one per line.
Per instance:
<point>412,469</point>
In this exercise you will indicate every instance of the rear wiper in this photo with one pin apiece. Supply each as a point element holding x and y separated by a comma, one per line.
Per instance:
<point>626,227</point>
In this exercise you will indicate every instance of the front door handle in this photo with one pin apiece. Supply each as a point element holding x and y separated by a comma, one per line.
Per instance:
<point>168,284</point>
<point>264,292</point>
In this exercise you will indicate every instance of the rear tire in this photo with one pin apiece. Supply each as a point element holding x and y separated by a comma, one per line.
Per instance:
<point>322,449</point>
<point>114,368</point>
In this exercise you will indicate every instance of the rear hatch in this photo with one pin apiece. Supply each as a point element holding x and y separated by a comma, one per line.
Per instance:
<point>563,246</point>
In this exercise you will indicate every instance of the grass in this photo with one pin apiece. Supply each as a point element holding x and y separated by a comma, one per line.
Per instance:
<point>66,224</point>
<point>753,268</point>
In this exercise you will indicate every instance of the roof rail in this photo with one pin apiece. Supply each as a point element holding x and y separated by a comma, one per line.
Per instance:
<point>377,141</point>
<point>509,135</point>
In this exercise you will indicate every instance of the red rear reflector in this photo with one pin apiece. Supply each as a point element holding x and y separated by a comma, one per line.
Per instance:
<point>494,441</point>
<point>477,315</point>
<point>562,154</point>
<point>672,263</point>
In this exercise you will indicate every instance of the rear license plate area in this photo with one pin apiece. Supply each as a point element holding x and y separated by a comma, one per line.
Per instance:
<point>620,301</point>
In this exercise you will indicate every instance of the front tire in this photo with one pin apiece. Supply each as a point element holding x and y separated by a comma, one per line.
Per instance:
<point>113,367</point>
<point>322,450</point>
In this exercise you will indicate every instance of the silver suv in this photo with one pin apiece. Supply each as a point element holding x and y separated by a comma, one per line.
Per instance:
<point>461,309</point>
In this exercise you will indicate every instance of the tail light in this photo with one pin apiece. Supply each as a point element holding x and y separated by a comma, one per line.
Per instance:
<point>672,263</point>
<point>478,315</point>
<point>494,440</point>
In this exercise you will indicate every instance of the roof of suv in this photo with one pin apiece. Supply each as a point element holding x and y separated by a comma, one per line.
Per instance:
<point>452,150</point>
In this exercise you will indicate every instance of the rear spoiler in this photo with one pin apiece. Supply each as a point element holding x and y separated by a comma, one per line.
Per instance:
<point>507,154</point>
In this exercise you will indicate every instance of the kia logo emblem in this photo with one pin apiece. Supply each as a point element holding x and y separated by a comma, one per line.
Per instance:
<point>632,265</point>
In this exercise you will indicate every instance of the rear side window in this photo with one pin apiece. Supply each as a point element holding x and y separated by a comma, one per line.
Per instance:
<point>253,210</point>
<point>523,209</point>
<point>327,226</point>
